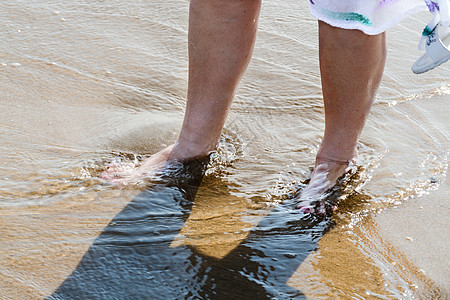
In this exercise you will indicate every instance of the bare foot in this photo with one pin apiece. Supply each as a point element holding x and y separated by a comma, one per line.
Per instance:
<point>122,174</point>
<point>324,177</point>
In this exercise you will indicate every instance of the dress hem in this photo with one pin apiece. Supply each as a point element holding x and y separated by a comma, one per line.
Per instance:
<point>367,29</point>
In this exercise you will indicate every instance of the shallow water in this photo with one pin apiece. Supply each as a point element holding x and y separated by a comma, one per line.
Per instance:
<point>90,82</point>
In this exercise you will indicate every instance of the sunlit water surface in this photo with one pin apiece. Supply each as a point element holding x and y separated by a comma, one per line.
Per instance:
<point>88,82</point>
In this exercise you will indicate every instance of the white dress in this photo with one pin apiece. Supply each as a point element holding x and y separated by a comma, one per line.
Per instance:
<point>370,16</point>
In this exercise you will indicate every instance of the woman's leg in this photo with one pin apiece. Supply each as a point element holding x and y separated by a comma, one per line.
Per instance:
<point>351,66</point>
<point>220,42</point>
<point>221,39</point>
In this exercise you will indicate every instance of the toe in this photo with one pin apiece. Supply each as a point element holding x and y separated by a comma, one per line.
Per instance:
<point>306,209</point>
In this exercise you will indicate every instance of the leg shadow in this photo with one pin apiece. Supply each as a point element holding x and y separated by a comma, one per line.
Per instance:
<point>132,258</point>
<point>260,267</point>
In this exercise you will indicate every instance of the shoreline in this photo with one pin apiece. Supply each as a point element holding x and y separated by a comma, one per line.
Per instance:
<point>418,228</point>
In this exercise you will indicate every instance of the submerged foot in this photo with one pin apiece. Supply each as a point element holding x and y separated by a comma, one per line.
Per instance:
<point>121,174</point>
<point>324,177</point>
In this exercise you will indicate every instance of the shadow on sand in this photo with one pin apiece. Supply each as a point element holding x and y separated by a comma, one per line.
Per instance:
<point>133,258</point>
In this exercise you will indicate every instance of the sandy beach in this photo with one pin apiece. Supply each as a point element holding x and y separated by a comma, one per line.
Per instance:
<point>85,84</point>
<point>419,227</point>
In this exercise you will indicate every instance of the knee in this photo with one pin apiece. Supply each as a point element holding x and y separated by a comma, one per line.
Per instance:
<point>350,41</point>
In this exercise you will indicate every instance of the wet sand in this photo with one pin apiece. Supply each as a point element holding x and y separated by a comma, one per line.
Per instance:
<point>419,227</point>
<point>83,84</point>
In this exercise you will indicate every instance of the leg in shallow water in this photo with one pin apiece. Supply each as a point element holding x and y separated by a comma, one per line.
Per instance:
<point>351,66</point>
<point>221,39</point>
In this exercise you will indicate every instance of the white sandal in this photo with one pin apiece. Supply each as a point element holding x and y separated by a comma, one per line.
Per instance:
<point>435,40</point>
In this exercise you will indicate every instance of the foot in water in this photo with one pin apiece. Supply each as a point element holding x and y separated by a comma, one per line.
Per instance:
<point>324,178</point>
<point>121,174</point>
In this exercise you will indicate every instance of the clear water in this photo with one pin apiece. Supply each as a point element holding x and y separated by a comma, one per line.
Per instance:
<point>88,82</point>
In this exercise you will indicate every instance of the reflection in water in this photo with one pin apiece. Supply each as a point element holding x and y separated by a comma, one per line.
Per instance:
<point>133,257</point>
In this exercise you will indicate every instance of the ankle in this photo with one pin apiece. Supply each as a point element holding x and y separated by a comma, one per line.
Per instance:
<point>320,160</point>
<point>336,157</point>
<point>184,149</point>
